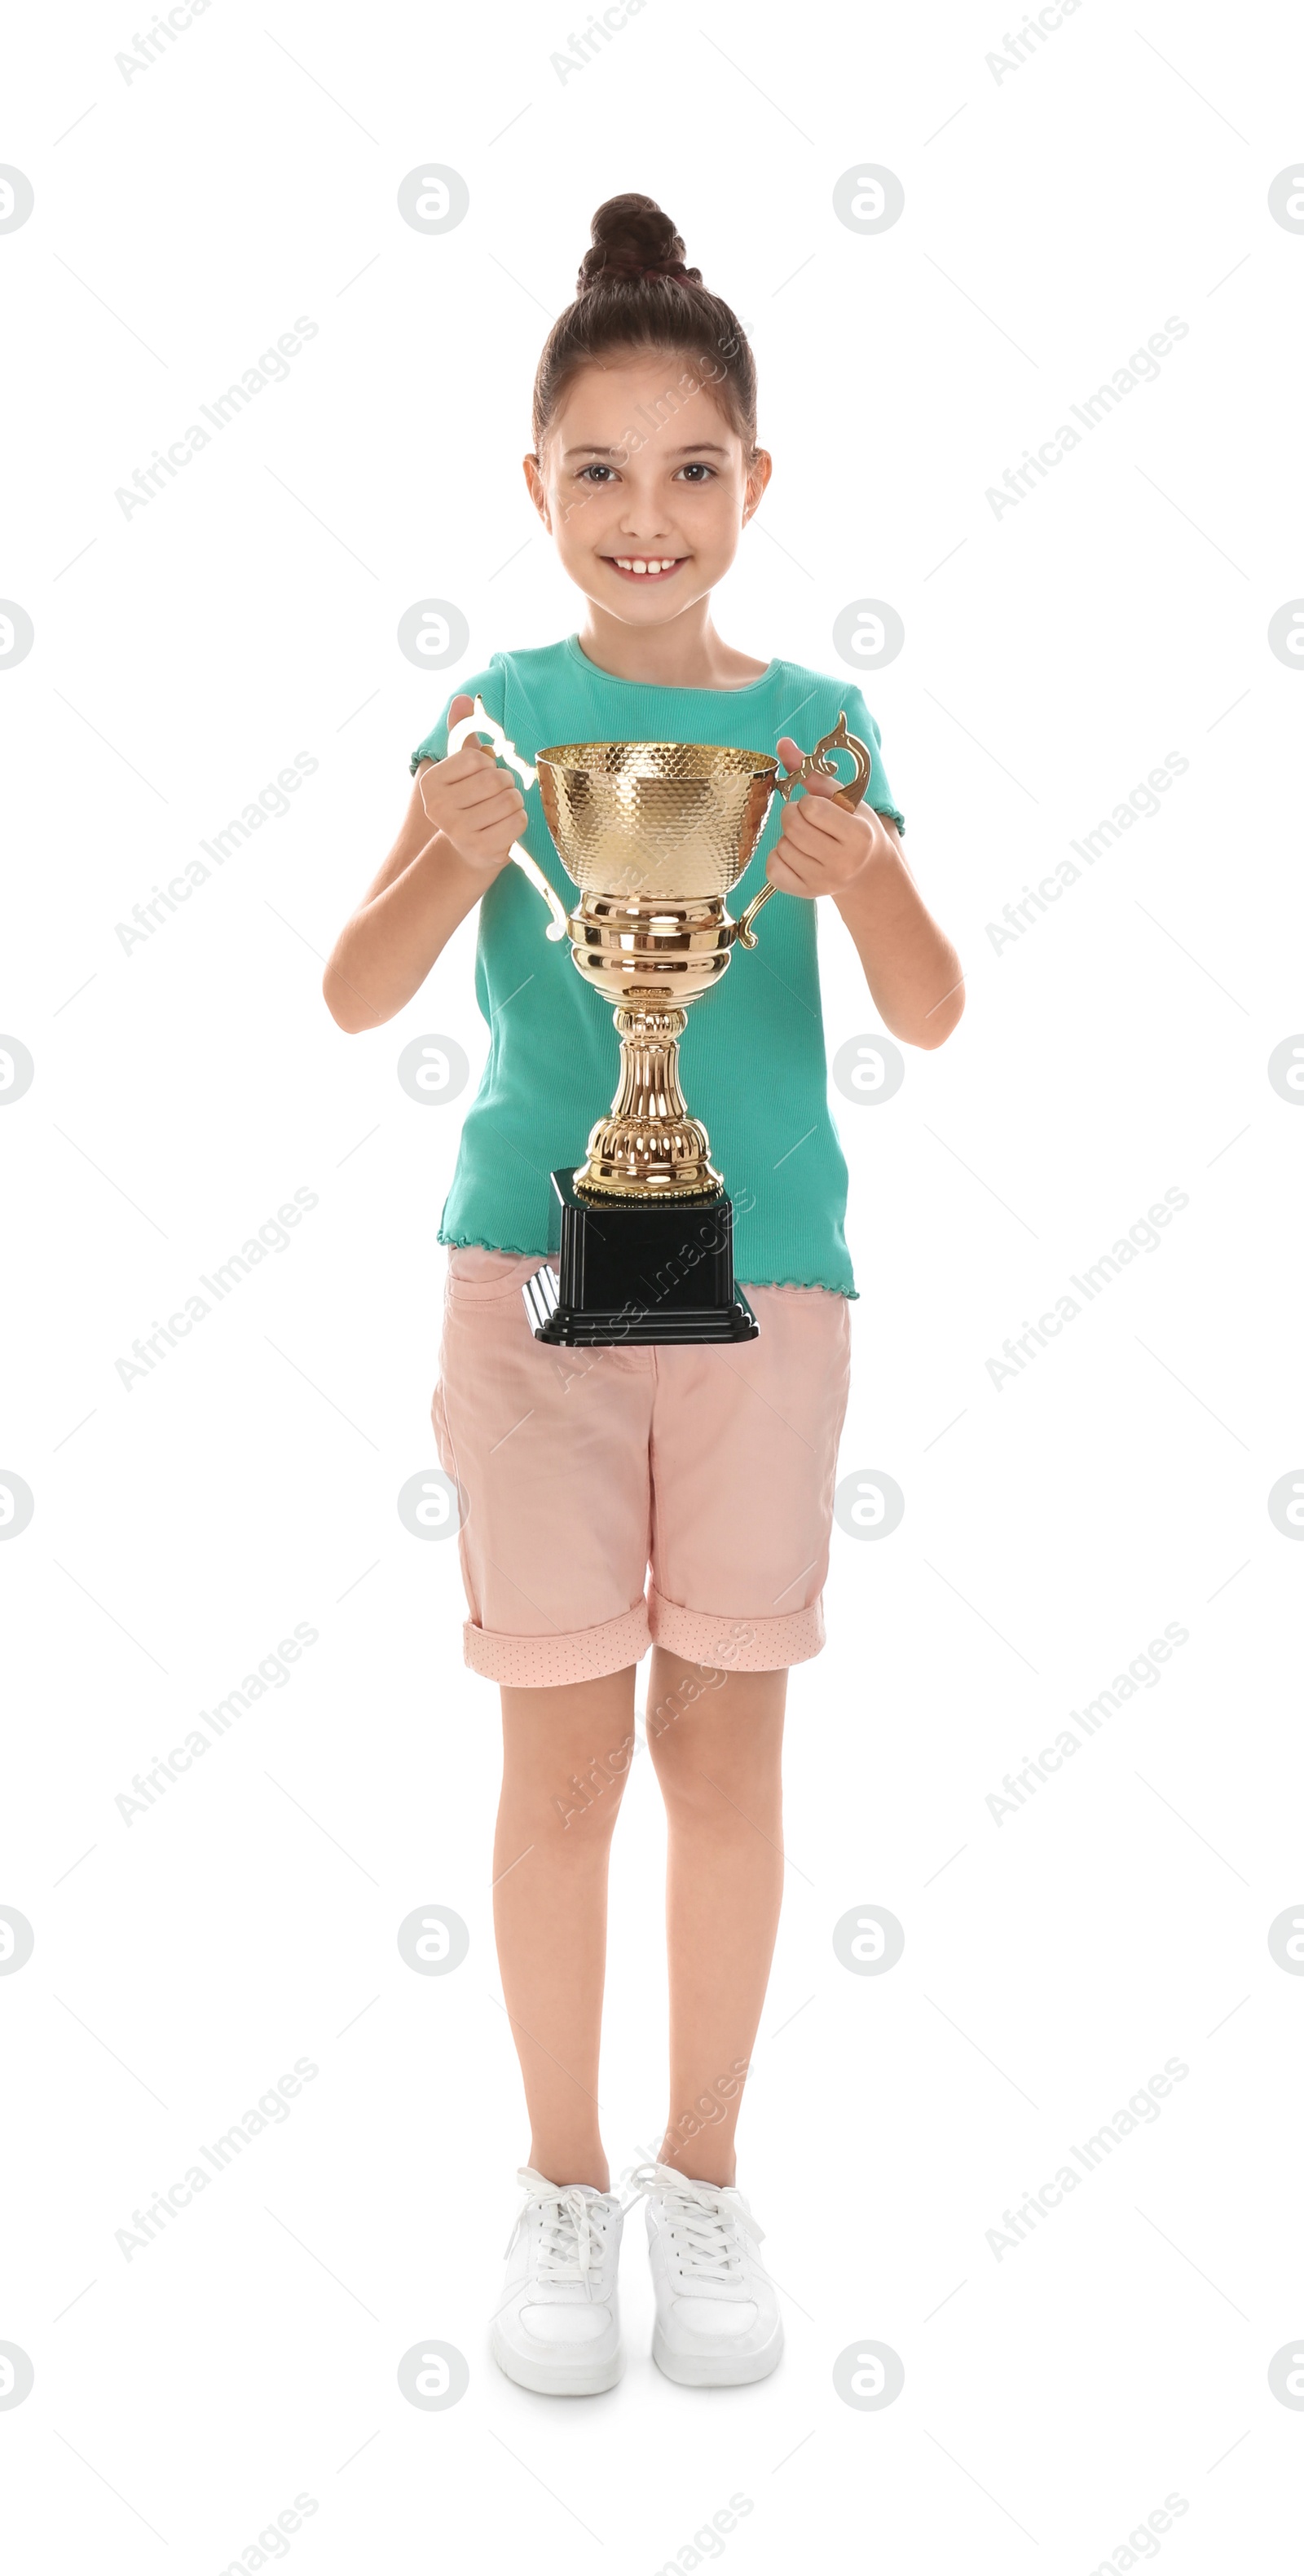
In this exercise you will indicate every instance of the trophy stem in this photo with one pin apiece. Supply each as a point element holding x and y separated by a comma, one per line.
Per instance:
<point>648,1146</point>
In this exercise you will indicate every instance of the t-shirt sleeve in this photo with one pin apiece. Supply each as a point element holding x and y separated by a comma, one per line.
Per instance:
<point>861,722</point>
<point>485,685</point>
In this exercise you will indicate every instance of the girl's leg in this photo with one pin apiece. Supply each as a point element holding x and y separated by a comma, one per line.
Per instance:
<point>716,1740</point>
<point>566,1755</point>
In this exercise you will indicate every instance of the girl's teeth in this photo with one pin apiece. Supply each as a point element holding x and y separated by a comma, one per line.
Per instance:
<point>636,563</point>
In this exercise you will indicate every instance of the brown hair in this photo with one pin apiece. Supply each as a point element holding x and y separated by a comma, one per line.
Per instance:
<point>634,292</point>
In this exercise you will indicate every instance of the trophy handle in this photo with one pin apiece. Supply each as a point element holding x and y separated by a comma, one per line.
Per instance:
<point>815,765</point>
<point>459,735</point>
<point>559,925</point>
<point>746,936</point>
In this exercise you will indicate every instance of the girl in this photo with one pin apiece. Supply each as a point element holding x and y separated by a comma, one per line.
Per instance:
<point>713,1467</point>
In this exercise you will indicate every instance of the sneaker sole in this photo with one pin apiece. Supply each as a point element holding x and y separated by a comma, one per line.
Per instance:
<point>716,2370</point>
<point>557,2379</point>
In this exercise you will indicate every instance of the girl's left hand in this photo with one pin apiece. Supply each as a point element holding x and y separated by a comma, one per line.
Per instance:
<point>823,847</point>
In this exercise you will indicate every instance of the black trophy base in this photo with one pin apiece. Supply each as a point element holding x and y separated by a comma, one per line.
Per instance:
<point>638,1270</point>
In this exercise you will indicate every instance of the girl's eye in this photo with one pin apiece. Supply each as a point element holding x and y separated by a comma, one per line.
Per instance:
<point>697,469</point>
<point>589,470</point>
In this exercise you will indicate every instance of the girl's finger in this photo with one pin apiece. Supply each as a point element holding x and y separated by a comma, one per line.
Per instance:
<point>799,834</point>
<point>817,812</point>
<point>820,830</point>
<point>788,873</point>
<point>480,783</point>
<point>474,831</point>
<point>490,827</point>
<point>470,762</point>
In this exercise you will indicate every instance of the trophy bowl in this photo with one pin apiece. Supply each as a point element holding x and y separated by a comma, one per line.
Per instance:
<point>656,835</point>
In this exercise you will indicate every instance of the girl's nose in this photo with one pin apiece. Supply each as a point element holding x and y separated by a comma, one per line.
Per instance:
<point>646,525</point>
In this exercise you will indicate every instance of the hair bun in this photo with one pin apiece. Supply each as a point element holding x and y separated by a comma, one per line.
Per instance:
<point>632,237</point>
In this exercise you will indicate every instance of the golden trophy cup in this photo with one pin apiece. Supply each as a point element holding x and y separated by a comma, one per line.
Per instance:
<point>655,835</point>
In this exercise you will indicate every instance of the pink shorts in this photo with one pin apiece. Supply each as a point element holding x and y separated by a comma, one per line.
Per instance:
<point>578,1470</point>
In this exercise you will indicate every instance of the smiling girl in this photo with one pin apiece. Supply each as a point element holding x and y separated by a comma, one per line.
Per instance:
<point>711,1467</point>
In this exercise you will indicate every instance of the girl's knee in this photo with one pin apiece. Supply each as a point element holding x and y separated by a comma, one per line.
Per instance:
<point>725,1784</point>
<point>555,1786</point>
<point>593,1794</point>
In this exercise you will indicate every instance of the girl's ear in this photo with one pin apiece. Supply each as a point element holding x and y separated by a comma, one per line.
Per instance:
<point>758,475</point>
<point>537,489</point>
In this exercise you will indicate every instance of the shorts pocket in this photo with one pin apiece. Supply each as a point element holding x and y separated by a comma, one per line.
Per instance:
<point>478,1276</point>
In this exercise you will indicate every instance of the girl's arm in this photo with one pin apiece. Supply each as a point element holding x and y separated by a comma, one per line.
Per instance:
<point>461,822</point>
<point>910,966</point>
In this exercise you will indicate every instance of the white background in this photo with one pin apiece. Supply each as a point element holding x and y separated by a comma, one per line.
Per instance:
<point>1054,1961</point>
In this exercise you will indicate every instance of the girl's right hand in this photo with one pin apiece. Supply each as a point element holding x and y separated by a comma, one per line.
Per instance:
<point>475,804</point>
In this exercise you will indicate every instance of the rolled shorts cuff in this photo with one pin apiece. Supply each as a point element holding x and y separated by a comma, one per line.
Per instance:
<point>737,1645</point>
<point>538,1663</point>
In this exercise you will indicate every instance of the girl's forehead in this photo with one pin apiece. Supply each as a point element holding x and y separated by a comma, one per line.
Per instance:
<point>602,401</point>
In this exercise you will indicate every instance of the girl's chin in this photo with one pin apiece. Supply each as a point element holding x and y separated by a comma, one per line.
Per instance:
<point>658,601</point>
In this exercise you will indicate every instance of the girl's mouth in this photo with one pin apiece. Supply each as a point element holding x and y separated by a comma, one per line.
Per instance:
<point>645,567</point>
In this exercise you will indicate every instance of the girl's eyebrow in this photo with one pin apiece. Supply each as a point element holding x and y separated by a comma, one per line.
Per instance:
<point>700,447</point>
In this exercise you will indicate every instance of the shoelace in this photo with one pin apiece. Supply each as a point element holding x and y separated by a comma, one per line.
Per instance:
<point>707,2228</point>
<point>570,2246</point>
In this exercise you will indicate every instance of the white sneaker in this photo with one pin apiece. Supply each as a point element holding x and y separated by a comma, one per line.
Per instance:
<point>558,2329</point>
<point>718,2323</point>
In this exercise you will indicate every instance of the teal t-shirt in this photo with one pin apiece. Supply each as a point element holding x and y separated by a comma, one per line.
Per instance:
<point>752,1055</point>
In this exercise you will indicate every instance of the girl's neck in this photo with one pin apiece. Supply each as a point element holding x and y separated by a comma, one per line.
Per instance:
<point>686,653</point>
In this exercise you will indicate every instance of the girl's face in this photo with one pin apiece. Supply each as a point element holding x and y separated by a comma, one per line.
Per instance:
<point>644,485</point>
